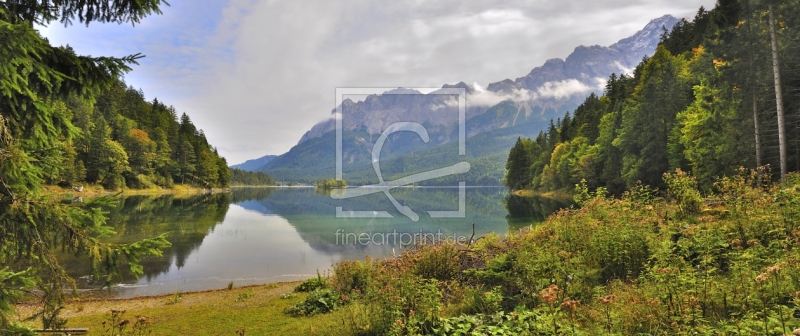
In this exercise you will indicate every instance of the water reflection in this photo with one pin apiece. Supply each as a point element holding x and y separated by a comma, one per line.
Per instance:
<point>261,235</point>
<point>525,211</point>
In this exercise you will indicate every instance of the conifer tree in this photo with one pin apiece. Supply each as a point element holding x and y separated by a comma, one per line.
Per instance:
<point>34,78</point>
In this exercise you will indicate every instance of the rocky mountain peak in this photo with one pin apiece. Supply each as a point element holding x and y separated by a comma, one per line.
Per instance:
<point>470,89</point>
<point>645,41</point>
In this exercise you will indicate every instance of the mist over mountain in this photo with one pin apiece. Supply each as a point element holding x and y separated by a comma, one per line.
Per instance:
<point>506,109</point>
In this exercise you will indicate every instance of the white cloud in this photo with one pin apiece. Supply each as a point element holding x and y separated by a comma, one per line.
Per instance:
<point>488,98</point>
<point>625,70</point>
<point>562,89</point>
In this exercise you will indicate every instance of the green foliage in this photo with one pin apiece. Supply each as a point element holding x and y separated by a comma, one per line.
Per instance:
<point>330,184</point>
<point>319,301</point>
<point>519,164</point>
<point>312,284</point>
<point>245,178</point>
<point>500,323</point>
<point>350,276</point>
<point>175,298</point>
<point>437,262</point>
<point>682,189</point>
<point>244,296</point>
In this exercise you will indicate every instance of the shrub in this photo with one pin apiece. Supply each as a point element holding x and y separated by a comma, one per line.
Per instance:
<point>438,262</point>
<point>312,284</point>
<point>515,323</point>
<point>320,301</point>
<point>351,276</point>
<point>682,190</point>
<point>479,301</point>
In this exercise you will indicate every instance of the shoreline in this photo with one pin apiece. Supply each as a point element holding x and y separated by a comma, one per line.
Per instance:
<point>74,300</point>
<point>98,191</point>
<point>190,313</point>
<point>556,194</point>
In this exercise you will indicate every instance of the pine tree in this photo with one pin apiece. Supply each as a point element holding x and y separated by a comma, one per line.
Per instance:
<point>519,164</point>
<point>34,76</point>
<point>649,121</point>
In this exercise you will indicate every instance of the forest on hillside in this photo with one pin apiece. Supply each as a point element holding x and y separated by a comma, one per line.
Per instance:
<point>241,177</point>
<point>123,140</point>
<point>722,91</point>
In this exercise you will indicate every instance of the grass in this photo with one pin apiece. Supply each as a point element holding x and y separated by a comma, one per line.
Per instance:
<point>256,309</point>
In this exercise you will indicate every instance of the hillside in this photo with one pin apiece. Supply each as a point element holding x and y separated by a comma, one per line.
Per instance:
<point>127,141</point>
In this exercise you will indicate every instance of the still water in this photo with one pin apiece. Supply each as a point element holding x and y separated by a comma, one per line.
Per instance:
<point>263,235</point>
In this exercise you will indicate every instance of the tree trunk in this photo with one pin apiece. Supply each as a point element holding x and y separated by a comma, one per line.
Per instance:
<point>753,77</point>
<point>758,132</point>
<point>778,95</point>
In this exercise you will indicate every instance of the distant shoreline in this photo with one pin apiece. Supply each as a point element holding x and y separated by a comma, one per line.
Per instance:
<point>97,191</point>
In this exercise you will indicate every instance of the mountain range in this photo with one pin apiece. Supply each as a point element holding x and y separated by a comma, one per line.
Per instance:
<point>495,117</point>
<point>254,164</point>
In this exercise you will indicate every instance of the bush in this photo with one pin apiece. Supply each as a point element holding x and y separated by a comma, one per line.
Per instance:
<point>349,276</point>
<point>312,284</point>
<point>320,301</point>
<point>515,323</point>
<point>438,262</point>
<point>682,190</point>
<point>479,301</point>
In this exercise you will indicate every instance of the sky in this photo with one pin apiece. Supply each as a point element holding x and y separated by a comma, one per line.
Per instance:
<point>255,75</point>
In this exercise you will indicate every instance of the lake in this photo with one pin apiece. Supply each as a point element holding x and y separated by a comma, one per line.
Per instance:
<point>263,235</point>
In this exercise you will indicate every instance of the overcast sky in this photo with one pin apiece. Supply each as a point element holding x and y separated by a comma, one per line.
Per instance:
<point>255,75</point>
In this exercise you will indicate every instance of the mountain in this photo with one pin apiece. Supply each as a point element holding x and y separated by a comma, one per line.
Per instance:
<point>254,164</point>
<point>558,83</point>
<point>496,115</point>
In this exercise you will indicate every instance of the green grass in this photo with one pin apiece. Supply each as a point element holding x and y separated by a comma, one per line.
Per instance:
<point>257,309</point>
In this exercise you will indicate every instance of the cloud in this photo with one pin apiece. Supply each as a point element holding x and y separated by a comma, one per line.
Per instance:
<point>488,98</point>
<point>257,74</point>
<point>625,70</point>
<point>562,89</point>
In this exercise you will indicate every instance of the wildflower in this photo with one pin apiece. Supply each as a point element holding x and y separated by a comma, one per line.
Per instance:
<point>776,268</point>
<point>607,299</point>
<point>762,277</point>
<point>570,305</point>
<point>549,294</point>
<point>694,301</point>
